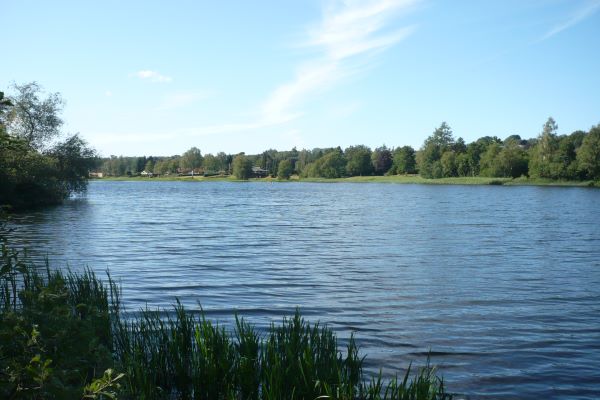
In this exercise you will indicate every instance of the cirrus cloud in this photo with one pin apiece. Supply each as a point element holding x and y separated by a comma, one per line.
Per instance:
<point>152,76</point>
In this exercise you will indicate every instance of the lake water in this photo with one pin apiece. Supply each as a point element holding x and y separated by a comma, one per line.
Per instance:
<point>502,284</point>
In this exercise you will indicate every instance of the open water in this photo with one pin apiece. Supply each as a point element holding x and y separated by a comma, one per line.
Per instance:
<point>500,284</point>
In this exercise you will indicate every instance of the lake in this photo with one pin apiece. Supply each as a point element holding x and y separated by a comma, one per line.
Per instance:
<point>501,284</point>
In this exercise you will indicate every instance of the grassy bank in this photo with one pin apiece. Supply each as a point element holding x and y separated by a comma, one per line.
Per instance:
<point>198,178</point>
<point>64,336</point>
<point>399,179</point>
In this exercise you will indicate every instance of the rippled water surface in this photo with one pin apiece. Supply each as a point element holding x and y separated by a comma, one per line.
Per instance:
<point>502,284</point>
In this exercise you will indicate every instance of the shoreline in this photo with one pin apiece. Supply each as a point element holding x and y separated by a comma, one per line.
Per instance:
<point>393,179</point>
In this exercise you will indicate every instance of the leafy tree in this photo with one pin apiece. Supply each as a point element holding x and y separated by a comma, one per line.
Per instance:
<point>358,161</point>
<point>488,164</point>
<point>542,154</point>
<point>448,163</point>
<point>428,161</point>
<point>285,169</point>
<point>588,155</point>
<point>269,160</point>
<point>242,167</point>
<point>513,138</point>
<point>428,158</point>
<point>508,160</point>
<point>211,163</point>
<point>565,165</point>
<point>161,167</point>
<point>5,104</point>
<point>30,177</point>
<point>512,161</point>
<point>474,152</point>
<point>191,159</point>
<point>463,164</point>
<point>382,160</point>
<point>441,137</point>
<point>149,167</point>
<point>225,161</point>
<point>34,119</point>
<point>459,146</point>
<point>331,165</point>
<point>73,162</point>
<point>403,161</point>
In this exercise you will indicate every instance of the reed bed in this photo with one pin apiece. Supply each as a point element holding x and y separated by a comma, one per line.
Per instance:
<point>64,335</point>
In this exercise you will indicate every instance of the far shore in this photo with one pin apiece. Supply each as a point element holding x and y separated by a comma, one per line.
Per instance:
<point>399,179</point>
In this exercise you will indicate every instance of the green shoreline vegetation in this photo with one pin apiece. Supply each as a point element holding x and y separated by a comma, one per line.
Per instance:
<point>547,160</point>
<point>36,170</point>
<point>397,179</point>
<point>65,335</point>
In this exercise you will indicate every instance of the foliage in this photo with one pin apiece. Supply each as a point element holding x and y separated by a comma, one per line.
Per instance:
<point>5,104</point>
<point>190,357</point>
<point>382,160</point>
<point>34,119</point>
<point>55,333</point>
<point>429,157</point>
<point>487,163</point>
<point>331,165</point>
<point>211,163</point>
<point>403,161</point>
<point>106,386</point>
<point>34,172</point>
<point>543,152</point>
<point>549,156</point>
<point>358,161</point>
<point>441,137</point>
<point>30,179</point>
<point>191,159</point>
<point>589,154</point>
<point>285,169</point>
<point>242,167</point>
<point>448,164</point>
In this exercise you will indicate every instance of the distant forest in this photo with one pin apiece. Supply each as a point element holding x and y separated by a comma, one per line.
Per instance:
<point>549,155</point>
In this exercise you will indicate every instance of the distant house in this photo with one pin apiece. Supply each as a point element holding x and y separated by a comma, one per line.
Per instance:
<point>258,172</point>
<point>96,175</point>
<point>190,172</point>
<point>146,174</point>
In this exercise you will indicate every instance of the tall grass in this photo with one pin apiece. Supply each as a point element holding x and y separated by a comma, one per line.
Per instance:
<point>62,334</point>
<point>55,330</point>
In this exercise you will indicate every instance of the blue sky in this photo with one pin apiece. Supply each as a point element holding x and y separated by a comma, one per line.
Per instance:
<point>155,78</point>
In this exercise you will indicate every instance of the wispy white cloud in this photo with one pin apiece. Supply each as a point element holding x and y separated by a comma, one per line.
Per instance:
<point>108,93</point>
<point>587,10</point>
<point>343,43</point>
<point>178,100</point>
<point>348,31</point>
<point>152,76</point>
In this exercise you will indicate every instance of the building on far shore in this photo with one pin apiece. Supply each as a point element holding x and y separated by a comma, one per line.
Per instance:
<point>258,172</point>
<point>96,175</point>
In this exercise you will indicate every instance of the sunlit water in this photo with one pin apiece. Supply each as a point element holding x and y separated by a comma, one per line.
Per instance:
<point>502,284</point>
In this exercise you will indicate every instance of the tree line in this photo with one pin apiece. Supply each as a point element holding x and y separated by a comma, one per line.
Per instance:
<point>549,155</point>
<point>38,165</point>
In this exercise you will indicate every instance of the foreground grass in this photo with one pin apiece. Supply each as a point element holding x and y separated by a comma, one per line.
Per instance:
<point>399,179</point>
<point>63,336</point>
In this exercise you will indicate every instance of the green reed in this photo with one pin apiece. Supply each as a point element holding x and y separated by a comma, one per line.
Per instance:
<point>62,334</point>
<point>55,330</point>
<point>180,355</point>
